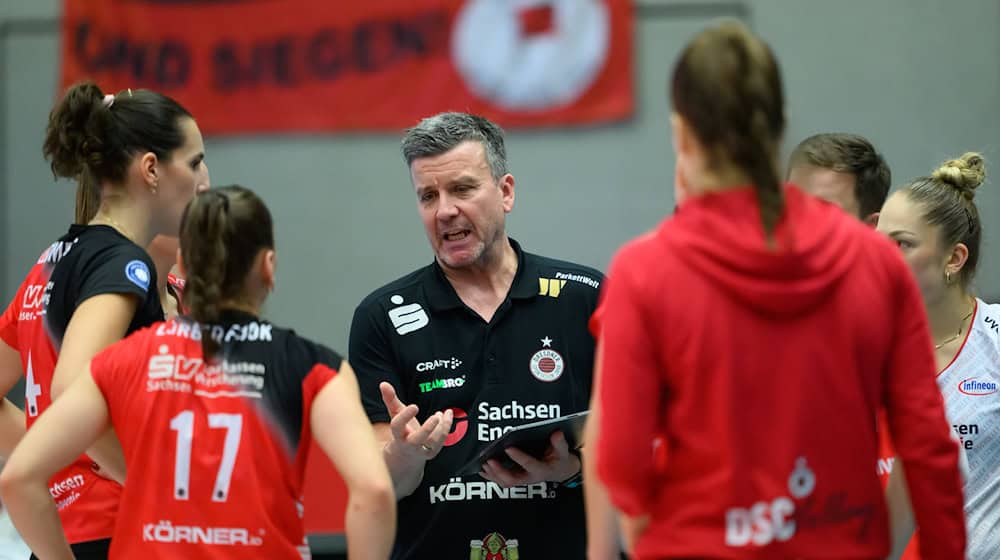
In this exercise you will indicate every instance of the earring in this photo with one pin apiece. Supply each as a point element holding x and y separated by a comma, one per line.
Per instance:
<point>947,278</point>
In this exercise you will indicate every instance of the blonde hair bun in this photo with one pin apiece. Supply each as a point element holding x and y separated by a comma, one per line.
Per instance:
<point>964,174</point>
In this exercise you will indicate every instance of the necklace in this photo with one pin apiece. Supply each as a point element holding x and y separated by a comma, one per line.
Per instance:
<point>111,222</point>
<point>959,333</point>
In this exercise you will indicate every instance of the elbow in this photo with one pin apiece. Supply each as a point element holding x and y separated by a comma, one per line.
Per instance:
<point>375,496</point>
<point>12,479</point>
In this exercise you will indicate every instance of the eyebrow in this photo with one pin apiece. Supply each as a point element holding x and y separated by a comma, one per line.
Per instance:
<point>898,231</point>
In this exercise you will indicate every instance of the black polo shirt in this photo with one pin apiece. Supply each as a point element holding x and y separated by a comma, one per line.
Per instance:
<point>534,360</point>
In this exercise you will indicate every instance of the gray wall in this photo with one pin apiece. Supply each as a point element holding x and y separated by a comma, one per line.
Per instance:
<point>922,80</point>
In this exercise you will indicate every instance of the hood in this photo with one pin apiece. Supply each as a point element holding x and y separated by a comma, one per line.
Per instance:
<point>721,237</point>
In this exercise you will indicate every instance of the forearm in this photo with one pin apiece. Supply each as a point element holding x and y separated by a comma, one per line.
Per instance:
<point>35,516</point>
<point>602,525</point>
<point>11,427</point>
<point>370,525</point>
<point>107,452</point>
<point>901,523</point>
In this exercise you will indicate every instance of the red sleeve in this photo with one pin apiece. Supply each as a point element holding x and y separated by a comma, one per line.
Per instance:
<point>920,431</point>
<point>629,393</point>
<point>8,321</point>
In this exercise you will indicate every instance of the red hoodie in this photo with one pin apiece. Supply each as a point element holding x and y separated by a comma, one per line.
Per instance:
<point>763,369</point>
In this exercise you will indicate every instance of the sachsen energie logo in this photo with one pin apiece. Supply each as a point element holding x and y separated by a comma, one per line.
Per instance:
<point>976,388</point>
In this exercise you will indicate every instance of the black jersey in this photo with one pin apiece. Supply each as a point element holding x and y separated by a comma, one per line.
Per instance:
<point>94,260</point>
<point>534,360</point>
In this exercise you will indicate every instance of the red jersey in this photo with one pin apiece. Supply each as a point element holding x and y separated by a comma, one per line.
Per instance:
<point>762,369</point>
<point>216,452</point>
<point>87,261</point>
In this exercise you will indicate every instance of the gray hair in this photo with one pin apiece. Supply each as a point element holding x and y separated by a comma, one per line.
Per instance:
<point>440,133</point>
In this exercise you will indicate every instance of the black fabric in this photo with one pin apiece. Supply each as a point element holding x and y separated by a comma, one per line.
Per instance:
<point>418,335</point>
<point>90,550</point>
<point>94,260</point>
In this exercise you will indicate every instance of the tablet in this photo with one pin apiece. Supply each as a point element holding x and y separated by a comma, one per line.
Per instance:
<point>531,438</point>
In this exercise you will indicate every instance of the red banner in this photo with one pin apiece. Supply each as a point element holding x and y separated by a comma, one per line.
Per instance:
<point>318,65</point>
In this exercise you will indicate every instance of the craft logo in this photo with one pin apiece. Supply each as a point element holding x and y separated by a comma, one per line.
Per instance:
<point>546,364</point>
<point>493,547</point>
<point>976,388</point>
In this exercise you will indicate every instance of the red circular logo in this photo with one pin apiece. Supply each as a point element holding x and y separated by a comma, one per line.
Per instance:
<point>547,365</point>
<point>459,426</point>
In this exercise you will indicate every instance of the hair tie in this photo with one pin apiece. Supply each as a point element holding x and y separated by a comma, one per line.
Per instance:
<point>109,100</point>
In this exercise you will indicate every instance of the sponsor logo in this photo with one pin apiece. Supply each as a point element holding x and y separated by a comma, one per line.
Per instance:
<point>992,324</point>
<point>74,482</point>
<point>965,433</point>
<point>452,363</point>
<point>57,251</point>
<point>976,388</point>
<point>449,383</point>
<point>35,300</point>
<point>530,56</point>
<point>250,332</point>
<point>579,278</point>
<point>459,426</point>
<point>512,411</point>
<point>550,287</point>
<point>458,491</point>
<point>546,364</point>
<point>407,318</point>
<point>493,547</point>
<point>138,273</point>
<point>166,532</point>
<point>767,521</point>
<point>179,373</point>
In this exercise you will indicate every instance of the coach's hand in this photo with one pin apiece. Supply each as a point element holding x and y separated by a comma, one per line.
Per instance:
<point>411,444</point>
<point>557,465</point>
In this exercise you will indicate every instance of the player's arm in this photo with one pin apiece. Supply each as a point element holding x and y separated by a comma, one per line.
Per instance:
<point>11,417</point>
<point>97,322</point>
<point>58,437</point>
<point>631,405</point>
<point>602,526</point>
<point>342,430</point>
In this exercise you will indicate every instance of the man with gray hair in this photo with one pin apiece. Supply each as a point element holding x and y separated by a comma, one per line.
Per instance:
<point>485,338</point>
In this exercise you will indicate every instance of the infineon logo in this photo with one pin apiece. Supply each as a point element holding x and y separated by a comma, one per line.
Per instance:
<point>976,388</point>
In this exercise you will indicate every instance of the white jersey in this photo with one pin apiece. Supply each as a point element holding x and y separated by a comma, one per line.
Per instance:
<point>971,389</point>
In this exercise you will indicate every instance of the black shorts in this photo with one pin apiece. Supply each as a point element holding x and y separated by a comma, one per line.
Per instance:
<point>90,550</point>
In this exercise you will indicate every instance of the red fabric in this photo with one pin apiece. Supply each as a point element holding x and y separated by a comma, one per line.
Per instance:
<point>762,367</point>
<point>315,65</point>
<point>87,502</point>
<point>267,476</point>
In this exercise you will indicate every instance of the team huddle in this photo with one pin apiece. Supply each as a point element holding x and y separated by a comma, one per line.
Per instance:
<point>793,368</point>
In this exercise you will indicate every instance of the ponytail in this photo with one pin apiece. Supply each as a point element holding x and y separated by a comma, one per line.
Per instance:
<point>727,87</point>
<point>222,232</point>
<point>205,220</point>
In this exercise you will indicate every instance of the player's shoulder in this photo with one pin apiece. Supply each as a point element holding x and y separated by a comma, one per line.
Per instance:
<point>988,322</point>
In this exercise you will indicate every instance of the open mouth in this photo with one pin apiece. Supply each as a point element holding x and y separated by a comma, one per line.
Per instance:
<point>458,235</point>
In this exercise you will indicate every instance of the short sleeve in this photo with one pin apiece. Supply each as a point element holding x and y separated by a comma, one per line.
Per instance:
<point>119,269</point>
<point>371,356</point>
